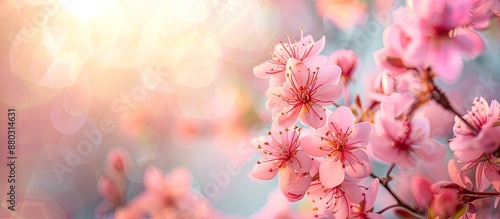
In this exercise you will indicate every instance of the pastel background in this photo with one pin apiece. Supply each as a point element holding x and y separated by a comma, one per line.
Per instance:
<point>170,82</point>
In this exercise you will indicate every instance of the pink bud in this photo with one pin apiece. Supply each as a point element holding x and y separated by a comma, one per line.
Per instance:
<point>444,203</point>
<point>118,160</point>
<point>347,60</point>
<point>420,186</point>
<point>109,190</point>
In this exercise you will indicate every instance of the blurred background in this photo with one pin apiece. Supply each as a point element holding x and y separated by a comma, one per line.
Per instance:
<point>170,82</point>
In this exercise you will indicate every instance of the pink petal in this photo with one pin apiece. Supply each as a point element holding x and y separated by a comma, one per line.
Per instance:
<point>361,133</point>
<point>180,177</point>
<point>109,190</point>
<point>286,179</point>
<point>289,115</point>
<point>381,148</point>
<point>398,103</point>
<point>353,192</point>
<point>265,170</point>
<point>154,179</point>
<point>331,172</point>
<point>317,48</point>
<point>457,176</point>
<point>404,159</point>
<point>371,194</point>
<point>299,188</point>
<point>481,182</point>
<point>275,101</point>
<point>313,115</point>
<point>311,145</point>
<point>448,63</point>
<point>329,74</point>
<point>493,176</point>
<point>299,72</point>
<point>341,120</point>
<point>301,162</point>
<point>470,42</point>
<point>420,187</point>
<point>261,70</point>
<point>327,94</point>
<point>361,169</point>
<point>316,61</point>
<point>431,150</point>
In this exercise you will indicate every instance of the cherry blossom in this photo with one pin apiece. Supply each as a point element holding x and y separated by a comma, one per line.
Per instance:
<point>347,60</point>
<point>170,196</point>
<point>399,141</point>
<point>342,143</point>
<point>307,90</point>
<point>476,150</point>
<point>364,210</point>
<point>304,50</point>
<point>281,153</point>
<point>336,200</point>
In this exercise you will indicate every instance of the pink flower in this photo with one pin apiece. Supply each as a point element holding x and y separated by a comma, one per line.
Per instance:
<point>307,90</point>
<point>391,58</point>
<point>342,142</point>
<point>484,118</point>
<point>304,50</point>
<point>347,60</point>
<point>399,141</point>
<point>477,150</point>
<point>281,153</point>
<point>336,201</point>
<point>364,210</point>
<point>170,196</point>
<point>438,39</point>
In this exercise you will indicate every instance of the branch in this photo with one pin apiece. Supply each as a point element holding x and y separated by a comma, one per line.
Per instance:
<point>398,200</point>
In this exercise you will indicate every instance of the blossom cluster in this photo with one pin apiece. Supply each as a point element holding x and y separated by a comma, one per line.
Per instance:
<point>322,147</point>
<point>324,138</point>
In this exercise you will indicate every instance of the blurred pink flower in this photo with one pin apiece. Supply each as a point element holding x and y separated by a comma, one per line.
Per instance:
<point>347,60</point>
<point>111,190</point>
<point>166,196</point>
<point>304,50</point>
<point>277,207</point>
<point>336,200</point>
<point>342,142</point>
<point>391,58</point>
<point>304,94</point>
<point>281,153</point>
<point>420,187</point>
<point>481,13</point>
<point>399,141</point>
<point>439,41</point>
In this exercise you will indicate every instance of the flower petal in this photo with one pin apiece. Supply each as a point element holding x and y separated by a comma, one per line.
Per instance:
<point>286,179</point>
<point>359,165</point>
<point>289,115</point>
<point>331,172</point>
<point>265,170</point>
<point>300,162</point>
<point>341,120</point>
<point>312,144</point>
<point>313,115</point>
